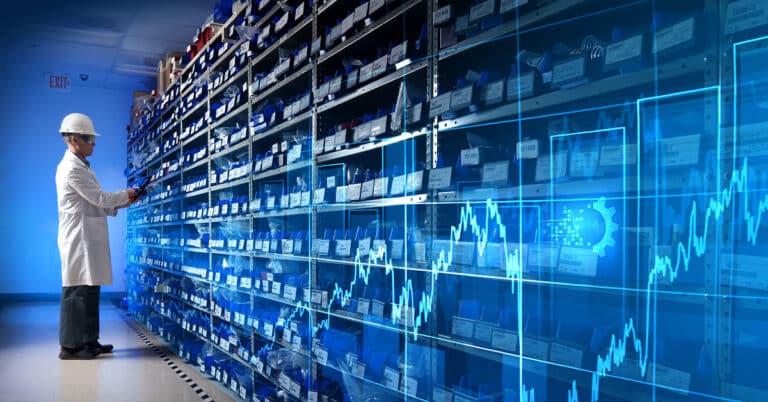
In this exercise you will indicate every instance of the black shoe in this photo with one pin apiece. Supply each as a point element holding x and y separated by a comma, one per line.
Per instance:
<point>77,354</point>
<point>99,348</point>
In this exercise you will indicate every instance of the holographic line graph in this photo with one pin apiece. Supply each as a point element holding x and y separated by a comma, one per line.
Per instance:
<point>618,349</point>
<point>664,267</point>
<point>405,300</point>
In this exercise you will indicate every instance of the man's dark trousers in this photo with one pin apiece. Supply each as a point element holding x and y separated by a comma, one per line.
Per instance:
<point>79,321</point>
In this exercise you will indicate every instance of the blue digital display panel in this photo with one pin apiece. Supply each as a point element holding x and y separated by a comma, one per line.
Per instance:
<point>524,201</point>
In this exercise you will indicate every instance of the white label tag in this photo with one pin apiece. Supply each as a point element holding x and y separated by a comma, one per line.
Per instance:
<point>495,172</point>
<point>509,5</point>
<point>461,98</point>
<point>441,15</point>
<point>380,186</point>
<point>526,83</point>
<point>410,385</point>
<point>678,379</point>
<point>440,178</point>
<point>352,78</point>
<point>578,261</point>
<point>440,104</point>
<point>363,306</point>
<point>283,67</point>
<point>569,70</point>
<point>322,246</point>
<point>377,308</point>
<point>353,192</point>
<point>361,12</point>
<point>282,22</point>
<point>365,73</point>
<point>340,138</point>
<point>504,340</point>
<point>618,155</point>
<point>267,162</point>
<point>674,35</point>
<point>358,369</point>
<point>745,14</point>
<point>415,181</point>
<point>364,247</point>
<point>680,151</point>
<point>566,355</point>
<point>484,332</point>
<point>493,92</point>
<point>342,248</point>
<point>482,10</point>
<point>527,149</point>
<point>231,280</point>
<point>294,388</point>
<point>397,249</point>
<point>317,296</point>
<point>320,196</point>
<point>301,56</point>
<point>376,5</point>
<point>335,85</point>
<point>269,329</point>
<point>290,292</point>
<point>347,23</point>
<point>463,327</point>
<point>398,185</point>
<point>493,256</point>
<point>379,66</point>
<point>535,348</point>
<point>378,126</point>
<point>322,91</point>
<point>470,157</point>
<point>304,199</point>
<point>627,49</point>
<point>341,194</point>
<point>284,381</point>
<point>366,190</point>
<point>295,200</point>
<point>276,287</point>
<point>398,53</point>
<point>391,378</point>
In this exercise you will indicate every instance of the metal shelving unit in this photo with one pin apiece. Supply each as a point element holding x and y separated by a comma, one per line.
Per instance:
<point>423,208</point>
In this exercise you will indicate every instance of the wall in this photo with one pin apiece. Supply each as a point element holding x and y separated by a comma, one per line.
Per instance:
<point>31,149</point>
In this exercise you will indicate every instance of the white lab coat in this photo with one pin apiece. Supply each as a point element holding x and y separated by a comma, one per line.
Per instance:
<point>83,209</point>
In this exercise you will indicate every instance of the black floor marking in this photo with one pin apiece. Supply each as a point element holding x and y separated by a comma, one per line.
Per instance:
<point>198,390</point>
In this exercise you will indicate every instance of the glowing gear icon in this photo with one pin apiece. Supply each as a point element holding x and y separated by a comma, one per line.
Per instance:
<point>610,226</point>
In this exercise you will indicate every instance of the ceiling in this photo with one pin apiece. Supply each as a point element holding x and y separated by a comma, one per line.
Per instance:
<point>104,39</point>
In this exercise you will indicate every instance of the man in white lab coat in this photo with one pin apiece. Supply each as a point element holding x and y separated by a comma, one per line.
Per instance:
<point>83,240</point>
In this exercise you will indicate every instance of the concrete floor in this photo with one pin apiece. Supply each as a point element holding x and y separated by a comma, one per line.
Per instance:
<point>30,369</point>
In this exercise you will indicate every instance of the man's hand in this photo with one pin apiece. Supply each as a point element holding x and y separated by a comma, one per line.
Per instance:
<point>134,195</point>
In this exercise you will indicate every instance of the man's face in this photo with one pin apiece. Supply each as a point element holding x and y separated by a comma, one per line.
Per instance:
<point>85,144</point>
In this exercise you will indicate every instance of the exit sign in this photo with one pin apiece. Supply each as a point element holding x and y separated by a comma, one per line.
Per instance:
<point>58,82</point>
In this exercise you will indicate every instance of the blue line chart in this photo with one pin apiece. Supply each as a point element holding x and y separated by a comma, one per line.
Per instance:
<point>630,340</point>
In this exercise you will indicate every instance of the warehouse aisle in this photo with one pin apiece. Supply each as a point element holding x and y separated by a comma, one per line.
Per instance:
<point>31,370</point>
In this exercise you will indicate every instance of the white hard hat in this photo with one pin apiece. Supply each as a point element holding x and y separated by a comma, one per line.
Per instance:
<point>77,123</point>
